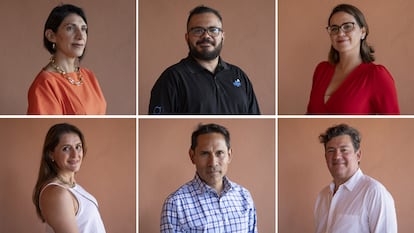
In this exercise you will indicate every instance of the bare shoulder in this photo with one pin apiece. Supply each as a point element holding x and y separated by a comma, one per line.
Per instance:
<point>55,194</point>
<point>58,208</point>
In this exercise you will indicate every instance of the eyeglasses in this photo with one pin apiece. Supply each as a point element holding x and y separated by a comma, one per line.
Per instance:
<point>199,31</point>
<point>345,27</point>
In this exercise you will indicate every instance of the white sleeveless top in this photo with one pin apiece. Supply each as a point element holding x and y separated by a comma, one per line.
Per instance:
<point>88,218</point>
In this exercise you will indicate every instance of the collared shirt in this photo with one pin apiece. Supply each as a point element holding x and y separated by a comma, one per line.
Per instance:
<point>360,205</point>
<point>197,208</point>
<point>189,88</point>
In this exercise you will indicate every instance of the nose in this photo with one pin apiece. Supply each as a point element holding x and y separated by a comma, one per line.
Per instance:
<point>79,34</point>
<point>337,154</point>
<point>205,34</point>
<point>212,160</point>
<point>74,152</point>
<point>341,32</point>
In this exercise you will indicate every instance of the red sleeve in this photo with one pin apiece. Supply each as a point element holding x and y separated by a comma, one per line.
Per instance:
<point>385,100</point>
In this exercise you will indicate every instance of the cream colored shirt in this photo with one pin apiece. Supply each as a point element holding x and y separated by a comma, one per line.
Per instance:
<point>360,205</point>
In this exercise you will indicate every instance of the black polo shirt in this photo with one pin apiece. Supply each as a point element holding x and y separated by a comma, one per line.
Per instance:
<point>189,88</point>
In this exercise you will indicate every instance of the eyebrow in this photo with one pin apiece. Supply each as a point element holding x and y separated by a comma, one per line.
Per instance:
<point>74,24</point>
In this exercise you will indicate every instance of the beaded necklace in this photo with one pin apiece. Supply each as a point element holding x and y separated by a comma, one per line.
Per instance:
<point>65,75</point>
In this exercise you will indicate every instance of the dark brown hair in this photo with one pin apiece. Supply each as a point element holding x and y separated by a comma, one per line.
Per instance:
<point>339,130</point>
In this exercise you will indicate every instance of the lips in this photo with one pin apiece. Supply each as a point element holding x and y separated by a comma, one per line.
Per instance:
<point>338,163</point>
<point>73,162</point>
<point>339,41</point>
<point>213,171</point>
<point>78,45</point>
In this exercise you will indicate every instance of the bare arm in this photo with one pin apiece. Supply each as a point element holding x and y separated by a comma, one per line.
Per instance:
<point>58,207</point>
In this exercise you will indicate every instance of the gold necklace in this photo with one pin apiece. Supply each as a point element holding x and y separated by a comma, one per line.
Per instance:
<point>65,75</point>
<point>71,185</point>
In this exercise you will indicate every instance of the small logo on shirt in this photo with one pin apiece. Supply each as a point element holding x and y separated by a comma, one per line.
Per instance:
<point>157,110</point>
<point>237,83</point>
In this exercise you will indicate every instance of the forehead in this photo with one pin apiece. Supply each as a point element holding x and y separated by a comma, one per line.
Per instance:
<point>69,138</point>
<point>204,20</point>
<point>341,17</point>
<point>73,19</point>
<point>211,140</point>
<point>341,140</point>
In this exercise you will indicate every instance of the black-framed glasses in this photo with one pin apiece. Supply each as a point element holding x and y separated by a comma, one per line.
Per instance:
<point>199,31</point>
<point>345,27</point>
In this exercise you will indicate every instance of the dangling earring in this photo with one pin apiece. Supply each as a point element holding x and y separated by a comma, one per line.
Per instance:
<point>54,46</point>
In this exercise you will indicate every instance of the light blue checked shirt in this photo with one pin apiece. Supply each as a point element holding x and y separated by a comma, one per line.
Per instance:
<point>197,208</point>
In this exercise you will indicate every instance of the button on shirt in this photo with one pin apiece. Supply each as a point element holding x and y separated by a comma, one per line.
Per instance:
<point>197,208</point>
<point>360,205</point>
<point>189,88</point>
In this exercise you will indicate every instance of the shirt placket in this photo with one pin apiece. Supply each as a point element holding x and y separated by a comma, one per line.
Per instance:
<point>333,201</point>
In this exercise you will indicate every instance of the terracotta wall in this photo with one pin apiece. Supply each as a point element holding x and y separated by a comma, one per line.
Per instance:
<point>110,52</point>
<point>386,156</point>
<point>108,170</point>
<point>249,43</point>
<point>303,42</point>
<point>164,164</point>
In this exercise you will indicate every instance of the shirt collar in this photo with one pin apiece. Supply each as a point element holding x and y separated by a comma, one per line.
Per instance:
<point>201,187</point>
<point>351,182</point>
<point>195,67</point>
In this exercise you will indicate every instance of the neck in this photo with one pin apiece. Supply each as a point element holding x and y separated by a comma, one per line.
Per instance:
<point>68,64</point>
<point>68,179</point>
<point>218,188</point>
<point>349,61</point>
<point>209,65</point>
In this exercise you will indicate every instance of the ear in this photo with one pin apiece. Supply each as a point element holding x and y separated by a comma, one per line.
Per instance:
<point>363,33</point>
<point>50,35</point>
<point>222,36</point>
<point>186,37</point>
<point>359,154</point>
<point>50,154</point>
<point>191,154</point>
<point>230,154</point>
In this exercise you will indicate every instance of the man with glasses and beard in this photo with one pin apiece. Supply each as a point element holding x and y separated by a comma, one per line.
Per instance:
<point>203,83</point>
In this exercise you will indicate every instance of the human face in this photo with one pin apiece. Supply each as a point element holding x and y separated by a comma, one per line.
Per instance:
<point>70,37</point>
<point>68,154</point>
<point>349,42</point>
<point>211,158</point>
<point>341,158</point>
<point>204,47</point>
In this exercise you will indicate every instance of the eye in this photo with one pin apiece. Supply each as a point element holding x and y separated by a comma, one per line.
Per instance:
<point>197,30</point>
<point>220,153</point>
<point>84,29</point>
<point>334,29</point>
<point>348,26</point>
<point>344,150</point>
<point>204,153</point>
<point>79,147</point>
<point>69,27</point>
<point>214,30</point>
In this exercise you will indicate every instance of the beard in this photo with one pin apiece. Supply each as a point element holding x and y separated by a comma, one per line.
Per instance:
<point>204,54</point>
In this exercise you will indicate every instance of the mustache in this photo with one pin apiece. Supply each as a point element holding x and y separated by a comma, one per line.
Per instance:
<point>213,169</point>
<point>204,40</point>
